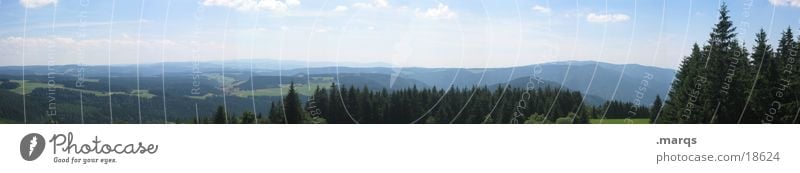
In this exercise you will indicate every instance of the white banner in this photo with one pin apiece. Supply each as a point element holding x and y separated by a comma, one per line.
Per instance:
<point>400,148</point>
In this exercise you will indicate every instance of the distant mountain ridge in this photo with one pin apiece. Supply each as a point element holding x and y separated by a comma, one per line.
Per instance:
<point>602,81</point>
<point>630,81</point>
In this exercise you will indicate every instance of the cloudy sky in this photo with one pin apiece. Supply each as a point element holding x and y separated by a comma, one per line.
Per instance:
<point>426,33</point>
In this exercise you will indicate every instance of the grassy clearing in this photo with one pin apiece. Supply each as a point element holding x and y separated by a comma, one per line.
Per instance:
<point>30,86</point>
<point>90,80</point>
<point>142,93</point>
<point>203,97</point>
<point>621,121</point>
<point>5,121</point>
<point>301,88</point>
<point>229,81</point>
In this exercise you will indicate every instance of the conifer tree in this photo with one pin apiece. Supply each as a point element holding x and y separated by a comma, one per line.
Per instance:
<point>335,112</point>
<point>248,118</point>
<point>655,108</point>
<point>292,107</point>
<point>220,117</point>
<point>713,88</point>
<point>765,79</point>
<point>795,105</point>
<point>685,90</point>
<point>727,71</point>
<point>785,79</point>
<point>276,115</point>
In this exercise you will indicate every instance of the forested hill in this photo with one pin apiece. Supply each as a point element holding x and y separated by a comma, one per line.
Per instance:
<point>602,81</point>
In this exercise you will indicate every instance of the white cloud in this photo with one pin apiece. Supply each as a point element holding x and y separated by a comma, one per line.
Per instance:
<point>607,18</point>
<point>293,2</point>
<point>36,3</point>
<point>372,4</point>
<point>793,3</point>
<point>340,8</point>
<point>440,12</point>
<point>254,5</point>
<point>541,9</point>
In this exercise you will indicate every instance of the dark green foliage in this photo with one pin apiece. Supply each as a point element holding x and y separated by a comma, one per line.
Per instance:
<point>432,105</point>
<point>233,119</point>
<point>688,84</point>
<point>220,117</point>
<point>713,83</point>
<point>291,106</point>
<point>718,83</point>
<point>765,77</point>
<point>8,85</point>
<point>334,111</point>
<point>75,107</point>
<point>276,115</point>
<point>728,72</point>
<point>784,82</point>
<point>248,118</point>
<point>655,109</point>
<point>795,105</point>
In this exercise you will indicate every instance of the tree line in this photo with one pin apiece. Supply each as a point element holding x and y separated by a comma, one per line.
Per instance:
<point>718,82</point>
<point>722,82</point>
<point>475,105</point>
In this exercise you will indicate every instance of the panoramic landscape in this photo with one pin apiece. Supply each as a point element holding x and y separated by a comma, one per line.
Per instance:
<point>718,74</point>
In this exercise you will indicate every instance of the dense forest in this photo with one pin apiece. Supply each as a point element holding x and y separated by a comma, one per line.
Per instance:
<point>91,105</point>
<point>720,82</point>
<point>345,105</point>
<point>723,82</point>
<point>332,104</point>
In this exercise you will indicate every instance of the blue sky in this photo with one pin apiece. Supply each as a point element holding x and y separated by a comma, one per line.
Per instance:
<point>426,33</point>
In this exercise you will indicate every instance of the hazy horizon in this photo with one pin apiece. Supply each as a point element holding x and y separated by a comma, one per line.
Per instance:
<point>398,32</point>
<point>318,64</point>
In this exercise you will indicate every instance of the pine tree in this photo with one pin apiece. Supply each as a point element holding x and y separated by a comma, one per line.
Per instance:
<point>276,115</point>
<point>766,78</point>
<point>740,83</point>
<point>351,103</point>
<point>220,117</point>
<point>795,104</point>
<point>233,119</point>
<point>682,102</point>
<point>727,70</point>
<point>261,120</point>
<point>655,108</point>
<point>406,105</point>
<point>292,107</point>
<point>248,118</point>
<point>318,104</point>
<point>785,73</point>
<point>713,88</point>
<point>335,112</point>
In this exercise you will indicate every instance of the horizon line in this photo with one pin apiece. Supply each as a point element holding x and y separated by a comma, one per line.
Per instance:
<point>361,65</point>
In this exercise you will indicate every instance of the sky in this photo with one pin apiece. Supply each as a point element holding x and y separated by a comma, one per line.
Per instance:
<point>419,33</point>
